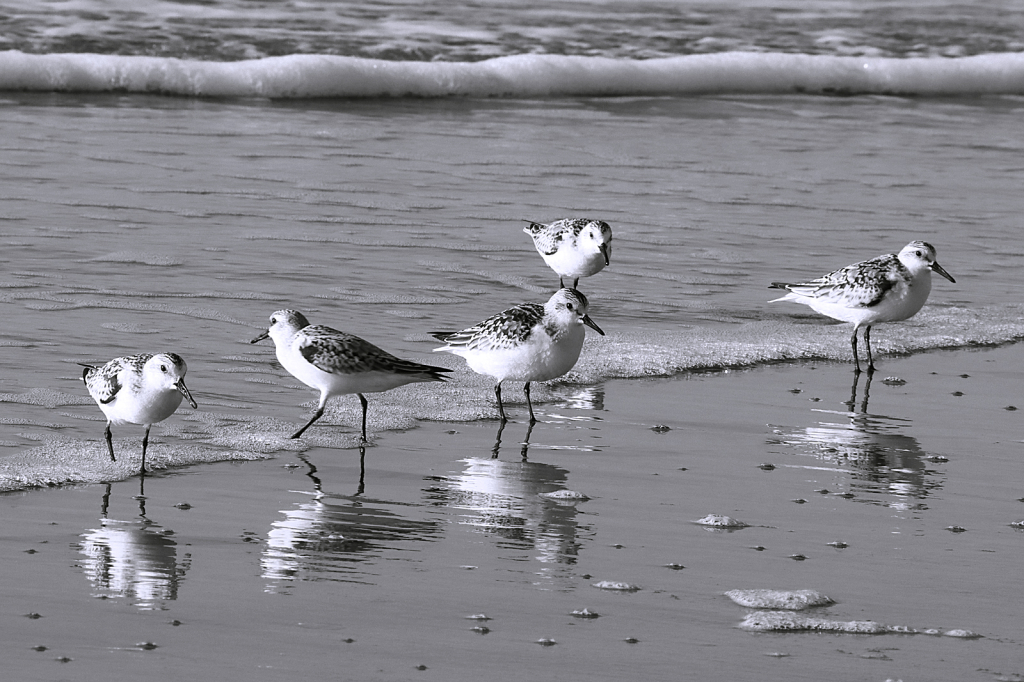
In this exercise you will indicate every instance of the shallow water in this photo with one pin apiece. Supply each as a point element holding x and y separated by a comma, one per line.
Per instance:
<point>304,563</point>
<point>143,224</point>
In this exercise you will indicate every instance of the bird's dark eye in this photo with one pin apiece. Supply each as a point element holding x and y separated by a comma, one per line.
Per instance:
<point>569,306</point>
<point>163,368</point>
<point>919,254</point>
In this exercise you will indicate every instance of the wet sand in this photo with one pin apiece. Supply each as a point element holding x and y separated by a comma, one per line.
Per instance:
<point>303,565</point>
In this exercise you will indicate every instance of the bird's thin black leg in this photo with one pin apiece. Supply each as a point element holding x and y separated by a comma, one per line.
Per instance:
<point>110,444</point>
<point>856,360</point>
<point>526,390</point>
<point>316,415</point>
<point>145,442</point>
<point>501,408</point>
<point>867,342</point>
<point>362,401</point>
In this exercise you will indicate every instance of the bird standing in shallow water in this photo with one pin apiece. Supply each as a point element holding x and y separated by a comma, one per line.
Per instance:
<point>888,288</point>
<point>573,247</point>
<point>336,363</point>
<point>529,342</point>
<point>138,389</point>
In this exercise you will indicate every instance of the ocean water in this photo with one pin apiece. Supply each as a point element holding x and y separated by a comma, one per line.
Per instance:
<point>171,173</point>
<point>135,221</point>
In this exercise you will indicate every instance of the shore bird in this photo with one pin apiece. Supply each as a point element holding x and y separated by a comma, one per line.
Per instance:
<point>529,342</point>
<point>888,288</point>
<point>337,363</point>
<point>138,389</point>
<point>573,247</point>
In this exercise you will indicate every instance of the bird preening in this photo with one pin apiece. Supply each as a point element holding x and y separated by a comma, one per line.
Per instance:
<point>573,247</point>
<point>138,389</point>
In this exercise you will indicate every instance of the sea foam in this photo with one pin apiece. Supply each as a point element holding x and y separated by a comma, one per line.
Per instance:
<point>320,76</point>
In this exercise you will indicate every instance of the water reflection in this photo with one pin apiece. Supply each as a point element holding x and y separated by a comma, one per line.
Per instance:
<point>503,500</point>
<point>586,398</point>
<point>524,445</point>
<point>871,448</point>
<point>134,559</point>
<point>338,537</point>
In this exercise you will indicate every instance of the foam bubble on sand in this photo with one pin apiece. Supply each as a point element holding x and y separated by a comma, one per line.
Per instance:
<point>265,441</point>
<point>790,600</point>
<point>720,521</point>
<point>62,461</point>
<point>616,586</point>
<point>633,354</point>
<point>584,613</point>
<point>45,397</point>
<point>565,496</point>
<point>965,634</point>
<point>783,621</point>
<point>32,422</point>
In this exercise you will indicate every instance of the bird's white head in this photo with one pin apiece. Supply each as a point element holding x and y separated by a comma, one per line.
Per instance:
<point>283,325</point>
<point>919,256</point>
<point>597,236</point>
<point>569,307</point>
<point>167,372</point>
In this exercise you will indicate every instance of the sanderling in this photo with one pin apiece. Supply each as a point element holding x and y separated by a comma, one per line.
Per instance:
<point>529,342</point>
<point>884,289</point>
<point>138,389</point>
<point>573,247</point>
<point>337,363</point>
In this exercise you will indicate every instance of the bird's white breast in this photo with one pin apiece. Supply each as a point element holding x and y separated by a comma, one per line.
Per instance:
<point>539,358</point>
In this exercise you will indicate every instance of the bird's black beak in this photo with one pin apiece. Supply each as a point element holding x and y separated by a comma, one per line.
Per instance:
<point>184,392</point>
<point>590,323</point>
<point>938,268</point>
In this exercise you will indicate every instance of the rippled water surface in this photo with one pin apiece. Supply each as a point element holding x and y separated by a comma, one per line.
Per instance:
<point>139,224</point>
<point>242,29</point>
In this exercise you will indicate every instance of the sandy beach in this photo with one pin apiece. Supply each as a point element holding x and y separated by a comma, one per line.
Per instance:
<point>172,173</point>
<point>439,561</point>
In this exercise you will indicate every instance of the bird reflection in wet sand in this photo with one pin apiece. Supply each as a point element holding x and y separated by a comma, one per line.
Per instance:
<point>871,447</point>
<point>136,560</point>
<point>338,537</point>
<point>317,485</point>
<point>852,402</point>
<point>525,444</point>
<point>586,398</point>
<point>589,398</point>
<point>505,500</point>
